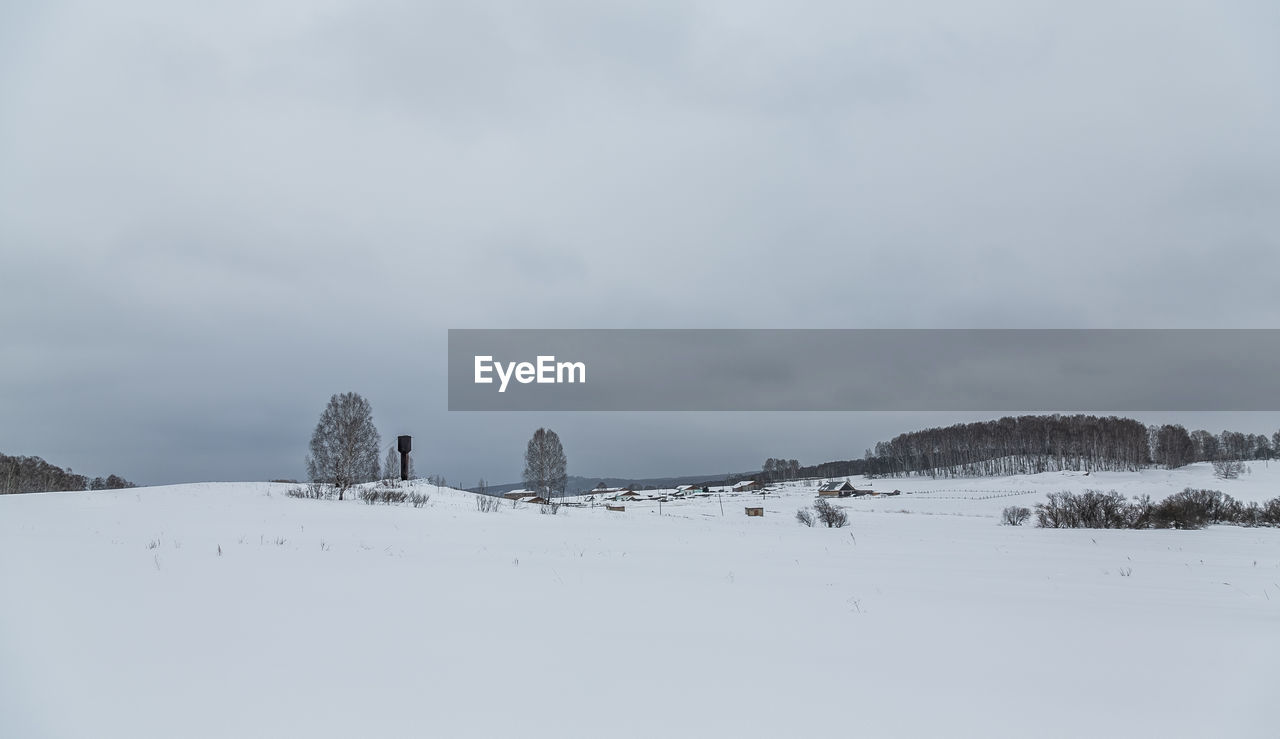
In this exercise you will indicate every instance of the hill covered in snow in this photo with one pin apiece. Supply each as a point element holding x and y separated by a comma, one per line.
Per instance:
<point>230,609</point>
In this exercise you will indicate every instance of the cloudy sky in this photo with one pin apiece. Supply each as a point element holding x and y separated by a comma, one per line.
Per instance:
<point>214,216</point>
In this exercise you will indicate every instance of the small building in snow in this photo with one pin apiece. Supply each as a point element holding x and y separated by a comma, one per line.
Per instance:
<point>840,489</point>
<point>612,492</point>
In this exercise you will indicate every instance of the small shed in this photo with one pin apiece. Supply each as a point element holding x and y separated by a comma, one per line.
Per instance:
<point>745,485</point>
<point>755,511</point>
<point>618,508</point>
<point>533,499</point>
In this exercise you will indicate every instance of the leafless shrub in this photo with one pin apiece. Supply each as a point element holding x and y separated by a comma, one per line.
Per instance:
<point>549,509</point>
<point>1229,469</point>
<point>1190,509</point>
<point>393,496</point>
<point>1271,512</point>
<point>369,495</point>
<point>805,517</point>
<point>417,500</point>
<point>312,491</point>
<point>1015,515</point>
<point>1092,509</point>
<point>833,517</point>
<point>488,503</point>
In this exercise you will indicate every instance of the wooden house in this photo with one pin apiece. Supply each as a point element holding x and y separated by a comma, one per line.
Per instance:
<point>836,489</point>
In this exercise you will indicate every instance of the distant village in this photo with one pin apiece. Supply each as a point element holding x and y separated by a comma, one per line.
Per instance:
<point>602,494</point>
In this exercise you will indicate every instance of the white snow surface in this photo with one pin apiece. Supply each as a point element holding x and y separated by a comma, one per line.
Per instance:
<point>119,617</point>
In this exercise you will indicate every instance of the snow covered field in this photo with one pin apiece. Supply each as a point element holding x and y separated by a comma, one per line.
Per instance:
<point>924,618</point>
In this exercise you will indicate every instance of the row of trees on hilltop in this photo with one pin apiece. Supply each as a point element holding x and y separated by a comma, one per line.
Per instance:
<point>1016,445</point>
<point>1174,446</point>
<point>1031,444</point>
<point>775,470</point>
<point>34,475</point>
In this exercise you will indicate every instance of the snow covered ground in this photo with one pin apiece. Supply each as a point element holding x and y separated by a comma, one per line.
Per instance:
<point>119,617</point>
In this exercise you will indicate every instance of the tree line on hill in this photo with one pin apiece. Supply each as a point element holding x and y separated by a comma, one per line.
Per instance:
<point>1029,444</point>
<point>34,475</point>
<point>1016,445</point>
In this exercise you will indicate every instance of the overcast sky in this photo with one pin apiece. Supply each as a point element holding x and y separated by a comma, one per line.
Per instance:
<point>213,216</point>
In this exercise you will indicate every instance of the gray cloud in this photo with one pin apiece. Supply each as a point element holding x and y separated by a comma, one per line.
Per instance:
<point>213,218</point>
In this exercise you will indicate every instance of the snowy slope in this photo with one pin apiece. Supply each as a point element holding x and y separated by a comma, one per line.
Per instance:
<point>328,619</point>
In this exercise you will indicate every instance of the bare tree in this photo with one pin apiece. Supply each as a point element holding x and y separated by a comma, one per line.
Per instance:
<point>834,517</point>
<point>1015,515</point>
<point>344,446</point>
<point>1228,469</point>
<point>545,464</point>
<point>116,482</point>
<point>1174,446</point>
<point>391,464</point>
